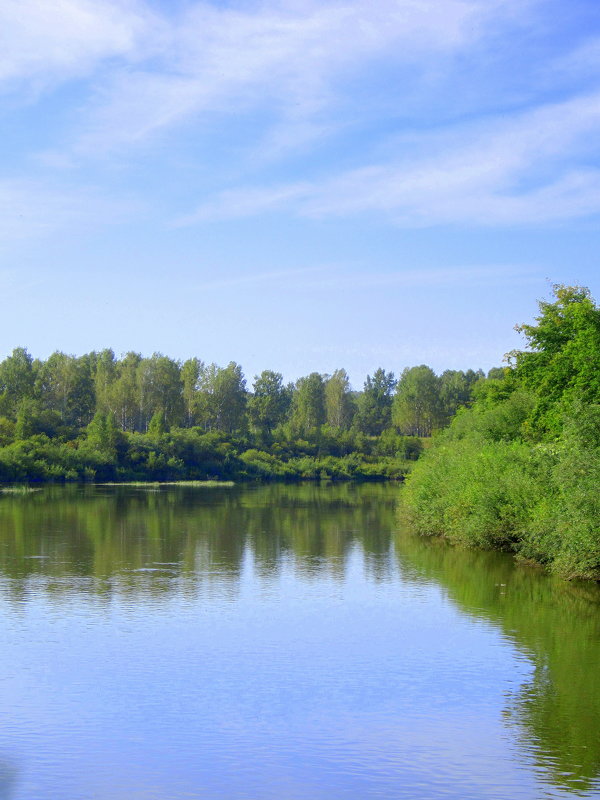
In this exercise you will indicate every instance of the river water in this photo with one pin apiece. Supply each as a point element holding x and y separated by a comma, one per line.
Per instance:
<point>282,642</point>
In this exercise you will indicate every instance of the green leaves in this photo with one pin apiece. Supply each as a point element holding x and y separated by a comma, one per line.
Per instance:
<point>563,362</point>
<point>521,467</point>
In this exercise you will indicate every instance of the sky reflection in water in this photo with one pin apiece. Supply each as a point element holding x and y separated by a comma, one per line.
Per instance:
<point>282,642</point>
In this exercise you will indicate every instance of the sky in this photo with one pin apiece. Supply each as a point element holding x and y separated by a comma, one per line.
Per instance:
<point>295,185</point>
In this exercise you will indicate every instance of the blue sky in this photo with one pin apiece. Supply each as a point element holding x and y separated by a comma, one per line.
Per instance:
<point>295,185</point>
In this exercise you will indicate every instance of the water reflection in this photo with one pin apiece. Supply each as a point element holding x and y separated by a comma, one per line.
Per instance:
<point>8,778</point>
<point>556,625</point>
<point>96,544</point>
<point>139,540</point>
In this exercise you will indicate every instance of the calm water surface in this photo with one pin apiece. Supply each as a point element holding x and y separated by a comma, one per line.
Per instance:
<point>282,642</point>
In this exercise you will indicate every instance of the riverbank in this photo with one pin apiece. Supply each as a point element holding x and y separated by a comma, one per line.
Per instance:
<point>195,455</point>
<point>520,469</point>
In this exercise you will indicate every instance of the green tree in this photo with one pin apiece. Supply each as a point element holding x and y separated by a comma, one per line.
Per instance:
<point>160,390</point>
<point>190,378</point>
<point>339,406</point>
<point>455,391</point>
<point>497,373</point>
<point>17,379</point>
<point>374,403</point>
<point>416,407</point>
<point>103,436</point>
<point>156,426</point>
<point>105,375</point>
<point>33,418</point>
<point>270,401</point>
<point>7,431</point>
<point>222,398</point>
<point>65,385</point>
<point>124,393</point>
<point>308,410</point>
<point>561,364</point>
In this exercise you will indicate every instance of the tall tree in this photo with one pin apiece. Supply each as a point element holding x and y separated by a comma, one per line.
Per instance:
<point>222,398</point>
<point>124,394</point>
<point>160,390</point>
<point>17,379</point>
<point>561,364</point>
<point>455,391</point>
<point>416,406</point>
<point>66,386</point>
<point>190,379</point>
<point>374,403</point>
<point>104,372</point>
<point>338,400</point>
<point>270,401</point>
<point>308,411</point>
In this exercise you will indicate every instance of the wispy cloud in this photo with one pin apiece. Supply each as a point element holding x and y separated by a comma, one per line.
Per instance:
<point>42,43</point>
<point>292,64</point>
<point>474,275</point>
<point>289,57</point>
<point>247,202</point>
<point>341,278</point>
<point>534,168</point>
<point>273,277</point>
<point>581,62</point>
<point>31,209</point>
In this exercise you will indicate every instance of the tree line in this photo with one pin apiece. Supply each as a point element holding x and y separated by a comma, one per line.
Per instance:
<point>66,392</point>
<point>139,414</point>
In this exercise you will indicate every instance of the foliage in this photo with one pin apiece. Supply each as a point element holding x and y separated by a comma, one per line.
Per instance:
<point>308,410</point>
<point>520,468</point>
<point>374,404</point>
<point>268,405</point>
<point>338,400</point>
<point>561,365</point>
<point>100,417</point>
<point>416,409</point>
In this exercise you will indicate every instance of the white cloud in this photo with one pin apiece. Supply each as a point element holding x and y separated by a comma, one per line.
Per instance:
<point>247,203</point>
<point>289,62</point>
<point>581,62</point>
<point>45,41</point>
<point>535,168</point>
<point>288,57</point>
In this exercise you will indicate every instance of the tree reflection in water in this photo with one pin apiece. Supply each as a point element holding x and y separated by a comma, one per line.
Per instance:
<point>145,543</point>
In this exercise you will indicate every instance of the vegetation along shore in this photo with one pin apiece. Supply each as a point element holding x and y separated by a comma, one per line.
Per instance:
<point>513,462</point>
<point>520,468</point>
<point>102,418</point>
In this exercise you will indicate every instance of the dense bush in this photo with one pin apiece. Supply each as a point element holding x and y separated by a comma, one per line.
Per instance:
<point>101,452</point>
<point>520,469</point>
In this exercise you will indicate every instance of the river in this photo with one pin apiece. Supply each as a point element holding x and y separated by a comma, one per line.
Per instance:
<point>286,643</point>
